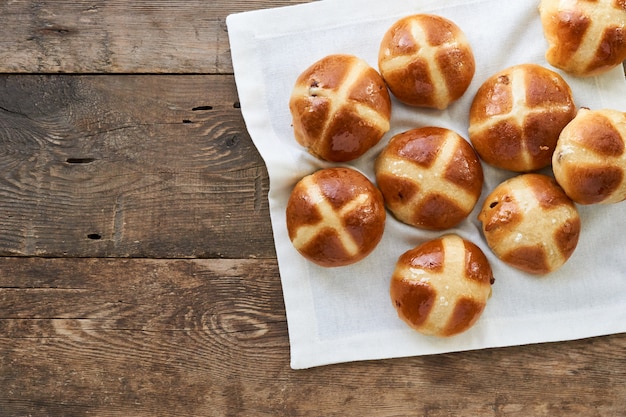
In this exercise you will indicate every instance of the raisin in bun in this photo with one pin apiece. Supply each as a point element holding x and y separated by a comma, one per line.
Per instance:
<point>585,37</point>
<point>517,115</point>
<point>441,287</point>
<point>340,108</point>
<point>430,177</point>
<point>335,216</point>
<point>590,157</point>
<point>426,61</point>
<point>530,223</point>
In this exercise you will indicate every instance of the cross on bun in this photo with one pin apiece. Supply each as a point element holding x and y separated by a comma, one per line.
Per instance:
<point>585,37</point>
<point>590,157</point>
<point>335,216</point>
<point>426,61</point>
<point>340,108</point>
<point>441,287</point>
<point>430,177</point>
<point>530,223</point>
<point>517,115</point>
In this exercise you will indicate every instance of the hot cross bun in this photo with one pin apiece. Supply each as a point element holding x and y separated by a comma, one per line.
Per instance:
<point>340,108</point>
<point>590,157</point>
<point>517,115</point>
<point>430,177</point>
<point>530,223</point>
<point>426,61</point>
<point>441,287</point>
<point>585,37</point>
<point>335,216</point>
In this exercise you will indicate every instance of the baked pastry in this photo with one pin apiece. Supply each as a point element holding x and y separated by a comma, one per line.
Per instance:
<point>335,216</point>
<point>426,61</point>
<point>517,115</point>
<point>430,177</point>
<point>530,223</point>
<point>590,157</point>
<point>441,287</point>
<point>340,108</point>
<point>585,37</point>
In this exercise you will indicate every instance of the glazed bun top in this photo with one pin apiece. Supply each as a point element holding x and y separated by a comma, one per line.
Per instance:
<point>441,287</point>
<point>430,177</point>
<point>517,115</point>
<point>585,37</point>
<point>590,157</point>
<point>335,216</point>
<point>530,223</point>
<point>426,61</point>
<point>340,108</point>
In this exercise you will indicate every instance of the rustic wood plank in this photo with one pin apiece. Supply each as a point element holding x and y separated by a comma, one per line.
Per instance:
<point>158,166</point>
<point>118,36</point>
<point>80,331</point>
<point>145,337</point>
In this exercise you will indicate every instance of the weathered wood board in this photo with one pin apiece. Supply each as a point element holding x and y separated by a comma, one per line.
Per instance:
<point>101,165</point>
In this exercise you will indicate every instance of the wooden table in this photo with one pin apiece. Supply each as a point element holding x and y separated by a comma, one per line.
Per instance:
<point>138,275</point>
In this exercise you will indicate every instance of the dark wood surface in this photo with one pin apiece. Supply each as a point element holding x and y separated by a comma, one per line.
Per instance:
<point>138,275</point>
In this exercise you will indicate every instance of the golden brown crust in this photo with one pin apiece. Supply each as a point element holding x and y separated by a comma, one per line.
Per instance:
<point>441,287</point>
<point>426,61</point>
<point>530,223</point>
<point>340,108</point>
<point>430,177</point>
<point>335,217</point>
<point>590,158</point>
<point>584,37</point>
<point>517,115</point>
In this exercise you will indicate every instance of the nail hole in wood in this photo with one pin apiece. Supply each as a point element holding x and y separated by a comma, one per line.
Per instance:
<point>79,160</point>
<point>231,141</point>
<point>56,31</point>
<point>200,108</point>
<point>94,236</point>
<point>237,105</point>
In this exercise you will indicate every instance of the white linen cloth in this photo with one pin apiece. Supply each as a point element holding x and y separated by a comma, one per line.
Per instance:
<point>345,314</point>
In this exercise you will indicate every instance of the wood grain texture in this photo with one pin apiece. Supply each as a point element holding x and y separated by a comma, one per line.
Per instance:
<point>118,36</point>
<point>148,337</point>
<point>157,166</point>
